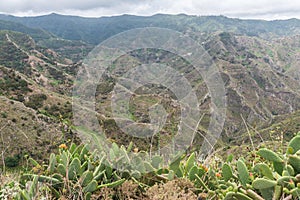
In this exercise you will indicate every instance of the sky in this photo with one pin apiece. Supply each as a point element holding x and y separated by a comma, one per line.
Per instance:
<point>246,9</point>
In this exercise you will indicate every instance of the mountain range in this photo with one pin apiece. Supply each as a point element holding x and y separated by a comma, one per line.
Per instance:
<point>39,58</point>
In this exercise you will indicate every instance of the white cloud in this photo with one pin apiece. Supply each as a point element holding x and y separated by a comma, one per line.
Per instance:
<point>266,9</point>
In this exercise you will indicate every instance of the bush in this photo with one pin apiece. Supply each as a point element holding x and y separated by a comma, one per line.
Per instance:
<point>36,101</point>
<point>3,114</point>
<point>12,161</point>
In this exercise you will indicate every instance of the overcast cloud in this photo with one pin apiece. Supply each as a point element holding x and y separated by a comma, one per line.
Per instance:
<point>263,9</point>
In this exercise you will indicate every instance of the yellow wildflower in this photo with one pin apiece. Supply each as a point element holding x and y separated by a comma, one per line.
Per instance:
<point>135,150</point>
<point>63,146</point>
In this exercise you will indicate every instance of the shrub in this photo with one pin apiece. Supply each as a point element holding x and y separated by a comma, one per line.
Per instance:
<point>36,101</point>
<point>12,161</point>
<point>3,114</point>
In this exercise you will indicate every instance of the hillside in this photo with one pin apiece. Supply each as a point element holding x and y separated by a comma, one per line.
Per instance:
<point>37,34</point>
<point>34,88</point>
<point>256,157</point>
<point>258,61</point>
<point>95,30</point>
<point>259,84</point>
<point>26,132</point>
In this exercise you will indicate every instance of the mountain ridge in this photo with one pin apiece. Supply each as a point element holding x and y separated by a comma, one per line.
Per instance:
<point>261,75</point>
<point>95,30</point>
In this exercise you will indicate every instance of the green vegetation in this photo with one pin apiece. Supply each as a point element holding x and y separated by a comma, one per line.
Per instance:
<point>77,173</point>
<point>13,85</point>
<point>91,30</point>
<point>260,73</point>
<point>36,101</point>
<point>37,34</point>
<point>10,55</point>
<point>12,161</point>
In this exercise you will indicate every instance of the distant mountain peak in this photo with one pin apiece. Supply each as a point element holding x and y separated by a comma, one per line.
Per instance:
<point>84,28</point>
<point>53,13</point>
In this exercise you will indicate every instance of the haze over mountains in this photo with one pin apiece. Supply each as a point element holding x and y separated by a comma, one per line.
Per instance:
<point>39,57</point>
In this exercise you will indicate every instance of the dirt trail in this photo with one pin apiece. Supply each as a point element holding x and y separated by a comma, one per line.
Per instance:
<point>16,45</point>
